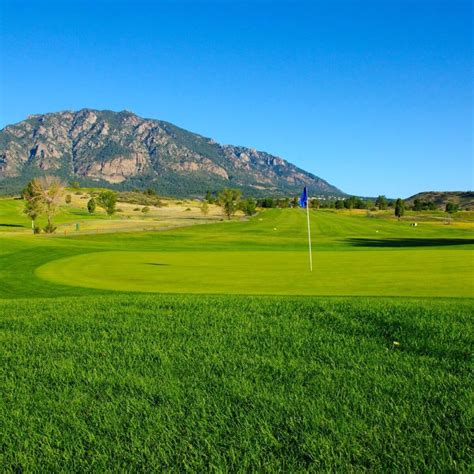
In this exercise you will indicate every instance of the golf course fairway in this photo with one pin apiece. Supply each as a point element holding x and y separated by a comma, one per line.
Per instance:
<point>366,273</point>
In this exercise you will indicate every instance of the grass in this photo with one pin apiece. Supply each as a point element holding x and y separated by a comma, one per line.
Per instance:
<point>140,383</point>
<point>353,255</point>
<point>101,372</point>
<point>385,273</point>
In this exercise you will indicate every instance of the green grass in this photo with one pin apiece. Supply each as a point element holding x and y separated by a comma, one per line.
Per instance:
<point>353,255</point>
<point>390,273</point>
<point>143,383</point>
<point>97,378</point>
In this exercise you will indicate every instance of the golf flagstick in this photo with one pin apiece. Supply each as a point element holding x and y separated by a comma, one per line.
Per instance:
<point>309,237</point>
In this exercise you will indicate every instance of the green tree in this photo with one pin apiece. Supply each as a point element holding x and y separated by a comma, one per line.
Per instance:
<point>451,208</point>
<point>145,210</point>
<point>249,206</point>
<point>43,196</point>
<point>267,203</point>
<point>349,203</point>
<point>399,208</point>
<point>33,205</point>
<point>417,205</point>
<point>339,204</point>
<point>205,208</point>
<point>107,200</point>
<point>209,197</point>
<point>229,200</point>
<point>91,205</point>
<point>149,192</point>
<point>381,202</point>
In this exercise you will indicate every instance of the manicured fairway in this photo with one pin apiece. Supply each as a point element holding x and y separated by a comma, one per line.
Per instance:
<point>353,255</point>
<point>150,383</point>
<point>381,273</point>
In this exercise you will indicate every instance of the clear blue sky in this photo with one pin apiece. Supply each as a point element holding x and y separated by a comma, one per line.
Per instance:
<point>373,96</point>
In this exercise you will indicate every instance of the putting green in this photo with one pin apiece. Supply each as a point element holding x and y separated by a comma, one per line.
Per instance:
<point>427,272</point>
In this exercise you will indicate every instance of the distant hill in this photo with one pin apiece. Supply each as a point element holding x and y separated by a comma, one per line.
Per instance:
<point>123,150</point>
<point>465,199</point>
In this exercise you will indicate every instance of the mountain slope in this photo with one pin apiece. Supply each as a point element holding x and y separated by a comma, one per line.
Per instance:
<point>124,150</point>
<point>464,199</point>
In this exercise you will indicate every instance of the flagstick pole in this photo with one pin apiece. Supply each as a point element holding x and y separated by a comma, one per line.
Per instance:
<point>309,237</point>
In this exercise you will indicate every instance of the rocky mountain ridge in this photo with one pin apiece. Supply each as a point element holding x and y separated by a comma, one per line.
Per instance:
<point>124,150</point>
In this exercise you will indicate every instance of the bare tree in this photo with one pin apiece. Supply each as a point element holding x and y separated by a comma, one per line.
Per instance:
<point>50,191</point>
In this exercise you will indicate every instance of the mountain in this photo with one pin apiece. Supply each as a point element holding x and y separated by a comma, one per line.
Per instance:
<point>464,199</point>
<point>125,151</point>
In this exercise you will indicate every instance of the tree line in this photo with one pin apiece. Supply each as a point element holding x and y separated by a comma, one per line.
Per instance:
<point>43,197</point>
<point>231,201</point>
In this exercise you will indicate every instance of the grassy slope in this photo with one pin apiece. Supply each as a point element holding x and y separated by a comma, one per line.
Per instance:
<point>235,383</point>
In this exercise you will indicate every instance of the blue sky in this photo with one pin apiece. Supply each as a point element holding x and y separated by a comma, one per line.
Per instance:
<point>374,96</point>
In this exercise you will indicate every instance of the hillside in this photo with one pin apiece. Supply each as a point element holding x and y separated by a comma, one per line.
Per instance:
<point>465,199</point>
<point>123,150</point>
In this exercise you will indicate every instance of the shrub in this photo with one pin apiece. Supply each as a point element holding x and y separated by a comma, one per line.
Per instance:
<point>248,206</point>
<point>204,208</point>
<point>451,208</point>
<point>49,228</point>
<point>143,199</point>
<point>399,208</point>
<point>91,206</point>
<point>381,203</point>
<point>149,192</point>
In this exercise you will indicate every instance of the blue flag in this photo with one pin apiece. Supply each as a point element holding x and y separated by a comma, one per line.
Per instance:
<point>303,198</point>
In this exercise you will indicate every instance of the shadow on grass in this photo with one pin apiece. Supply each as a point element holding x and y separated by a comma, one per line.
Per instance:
<point>159,264</point>
<point>359,242</point>
<point>11,225</point>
